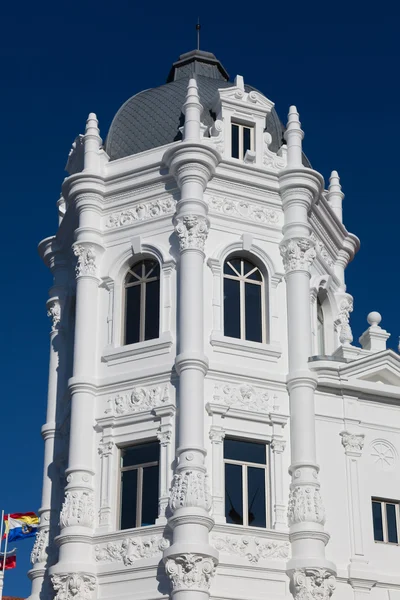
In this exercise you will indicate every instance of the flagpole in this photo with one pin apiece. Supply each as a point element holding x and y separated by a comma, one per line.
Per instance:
<point>1,543</point>
<point>2,572</point>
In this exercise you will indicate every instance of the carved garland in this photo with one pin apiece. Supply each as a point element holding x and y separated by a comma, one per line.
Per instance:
<point>192,231</point>
<point>297,254</point>
<point>190,488</point>
<point>244,396</point>
<point>73,586</point>
<point>139,399</point>
<point>141,212</point>
<point>244,210</point>
<point>131,549</point>
<point>252,548</point>
<point>190,571</point>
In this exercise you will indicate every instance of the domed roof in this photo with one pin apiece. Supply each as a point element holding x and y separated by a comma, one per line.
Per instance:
<point>152,118</point>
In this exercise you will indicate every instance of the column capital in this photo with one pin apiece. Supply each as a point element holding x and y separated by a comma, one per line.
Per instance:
<point>312,584</point>
<point>67,585</point>
<point>278,445</point>
<point>297,254</point>
<point>190,572</point>
<point>217,434</point>
<point>352,443</point>
<point>87,254</point>
<point>192,231</point>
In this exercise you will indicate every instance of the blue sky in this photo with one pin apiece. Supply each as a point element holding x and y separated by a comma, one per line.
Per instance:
<point>61,60</point>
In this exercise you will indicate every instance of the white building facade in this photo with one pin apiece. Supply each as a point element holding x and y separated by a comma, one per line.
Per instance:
<point>211,430</point>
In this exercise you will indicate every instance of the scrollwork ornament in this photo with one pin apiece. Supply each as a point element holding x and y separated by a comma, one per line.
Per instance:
<point>192,231</point>
<point>78,509</point>
<point>86,264</point>
<point>190,571</point>
<point>305,504</point>
<point>190,488</point>
<point>74,586</point>
<point>39,550</point>
<point>312,584</point>
<point>297,254</point>
<point>54,312</point>
<point>342,321</point>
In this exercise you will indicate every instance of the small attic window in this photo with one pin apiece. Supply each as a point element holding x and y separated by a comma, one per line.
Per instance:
<point>242,140</point>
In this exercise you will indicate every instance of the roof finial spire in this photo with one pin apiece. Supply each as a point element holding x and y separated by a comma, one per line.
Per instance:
<point>198,27</point>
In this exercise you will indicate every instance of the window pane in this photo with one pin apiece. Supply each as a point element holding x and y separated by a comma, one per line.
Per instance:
<point>246,139</point>
<point>391,523</point>
<point>152,268</point>
<point>245,451</point>
<point>233,494</point>
<point>256,275</point>
<point>231,308</point>
<point>132,314</point>
<point>377,519</point>
<point>235,141</point>
<point>140,454</point>
<point>128,499</point>
<point>150,495</point>
<point>256,496</point>
<point>253,312</point>
<point>152,322</point>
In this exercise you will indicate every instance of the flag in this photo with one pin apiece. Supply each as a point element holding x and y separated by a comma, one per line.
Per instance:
<point>11,560</point>
<point>20,525</point>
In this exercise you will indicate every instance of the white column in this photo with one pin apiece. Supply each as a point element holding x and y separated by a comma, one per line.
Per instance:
<point>217,435</point>
<point>308,566</point>
<point>190,562</point>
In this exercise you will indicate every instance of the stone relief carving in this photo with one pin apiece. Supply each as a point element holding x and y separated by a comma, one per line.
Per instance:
<point>217,135</point>
<point>190,571</point>
<point>86,264</point>
<point>73,586</point>
<point>305,504</point>
<point>243,210</point>
<point>192,231</point>
<point>322,251</point>
<point>54,312</point>
<point>252,548</point>
<point>352,442</point>
<point>312,584</point>
<point>297,254</point>
<point>216,435</point>
<point>244,396</point>
<point>164,436</point>
<point>278,445</point>
<point>141,212</point>
<point>139,399</point>
<point>342,321</point>
<point>271,159</point>
<point>105,448</point>
<point>131,549</point>
<point>383,455</point>
<point>39,550</point>
<point>190,488</point>
<point>78,509</point>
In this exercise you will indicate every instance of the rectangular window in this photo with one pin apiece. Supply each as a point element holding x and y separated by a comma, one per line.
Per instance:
<point>385,517</point>
<point>246,483</point>
<point>139,485</point>
<point>242,140</point>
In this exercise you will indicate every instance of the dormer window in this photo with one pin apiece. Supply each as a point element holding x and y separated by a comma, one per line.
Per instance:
<point>242,140</point>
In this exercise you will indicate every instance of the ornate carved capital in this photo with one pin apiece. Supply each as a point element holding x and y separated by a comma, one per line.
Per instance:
<point>305,504</point>
<point>54,312</point>
<point>78,509</point>
<point>312,584</point>
<point>192,231</point>
<point>278,445</point>
<point>297,254</point>
<point>342,321</point>
<point>217,435</point>
<point>190,572</point>
<point>105,448</point>
<point>352,443</point>
<point>74,586</point>
<point>86,264</point>
<point>190,488</point>
<point>39,550</point>
<point>164,436</point>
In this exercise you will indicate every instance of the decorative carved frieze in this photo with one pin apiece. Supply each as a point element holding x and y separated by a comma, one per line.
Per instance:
<point>342,321</point>
<point>130,549</point>
<point>352,442</point>
<point>312,584</point>
<point>190,488</point>
<point>271,159</point>
<point>243,210</point>
<point>322,251</point>
<point>297,254</point>
<point>73,586</point>
<point>139,399</point>
<point>78,509</point>
<point>305,504</point>
<point>141,212</point>
<point>192,231</point>
<point>251,548</point>
<point>190,571</point>
<point>86,264</point>
<point>39,550</point>
<point>54,312</point>
<point>244,396</point>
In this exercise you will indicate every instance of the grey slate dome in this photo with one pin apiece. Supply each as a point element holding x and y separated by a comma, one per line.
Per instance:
<point>152,118</point>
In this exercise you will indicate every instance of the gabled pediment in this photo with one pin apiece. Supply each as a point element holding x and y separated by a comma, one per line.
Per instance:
<point>382,368</point>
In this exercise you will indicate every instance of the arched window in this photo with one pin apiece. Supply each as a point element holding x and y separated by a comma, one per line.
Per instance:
<point>320,329</point>
<point>244,300</point>
<point>142,302</point>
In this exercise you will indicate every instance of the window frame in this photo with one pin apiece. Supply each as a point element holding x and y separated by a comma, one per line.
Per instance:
<point>142,317</point>
<point>245,465</point>
<point>139,490</point>
<point>242,126</point>
<point>243,279</point>
<point>383,502</point>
